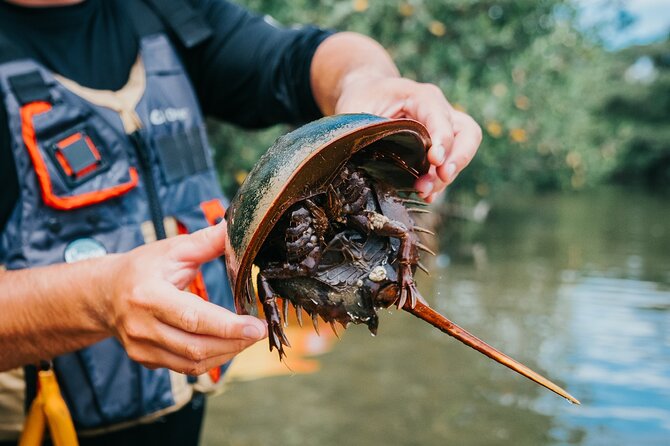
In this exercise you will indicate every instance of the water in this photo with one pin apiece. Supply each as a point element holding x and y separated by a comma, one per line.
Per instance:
<point>577,287</point>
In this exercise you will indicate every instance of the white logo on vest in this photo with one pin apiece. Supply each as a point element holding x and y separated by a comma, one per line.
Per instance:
<point>159,116</point>
<point>83,249</point>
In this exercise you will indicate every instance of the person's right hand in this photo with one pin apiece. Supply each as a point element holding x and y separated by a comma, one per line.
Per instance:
<point>158,323</point>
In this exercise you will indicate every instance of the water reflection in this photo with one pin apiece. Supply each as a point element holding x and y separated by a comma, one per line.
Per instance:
<point>576,287</point>
<point>624,367</point>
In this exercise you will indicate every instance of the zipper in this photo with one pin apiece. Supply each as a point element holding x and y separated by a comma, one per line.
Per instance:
<point>155,210</point>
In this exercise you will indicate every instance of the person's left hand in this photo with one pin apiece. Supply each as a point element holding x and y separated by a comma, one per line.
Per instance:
<point>455,135</point>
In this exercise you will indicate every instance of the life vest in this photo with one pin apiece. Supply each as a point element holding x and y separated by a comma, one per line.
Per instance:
<point>105,172</point>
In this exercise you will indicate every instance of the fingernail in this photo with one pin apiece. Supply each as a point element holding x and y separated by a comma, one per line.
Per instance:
<point>451,170</point>
<point>251,332</point>
<point>424,188</point>
<point>439,153</point>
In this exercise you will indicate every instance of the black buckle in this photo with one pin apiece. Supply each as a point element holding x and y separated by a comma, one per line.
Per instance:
<point>30,87</point>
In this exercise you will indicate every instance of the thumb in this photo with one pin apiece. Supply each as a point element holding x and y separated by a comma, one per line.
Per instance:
<point>203,245</point>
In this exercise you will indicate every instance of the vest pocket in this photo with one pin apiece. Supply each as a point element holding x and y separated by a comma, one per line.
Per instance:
<point>79,161</point>
<point>182,154</point>
<point>103,386</point>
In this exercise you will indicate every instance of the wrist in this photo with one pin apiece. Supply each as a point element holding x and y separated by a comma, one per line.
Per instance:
<point>103,277</point>
<point>346,59</point>
<point>383,96</point>
<point>364,78</point>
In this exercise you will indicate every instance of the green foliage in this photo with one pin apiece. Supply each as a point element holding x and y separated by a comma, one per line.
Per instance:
<point>538,87</point>
<point>237,150</point>
<point>639,108</point>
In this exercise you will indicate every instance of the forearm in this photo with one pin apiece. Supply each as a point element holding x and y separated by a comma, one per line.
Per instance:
<point>50,310</point>
<point>136,297</point>
<point>344,58</point>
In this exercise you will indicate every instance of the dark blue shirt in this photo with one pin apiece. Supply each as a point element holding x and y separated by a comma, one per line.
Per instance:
<point>250,72</point>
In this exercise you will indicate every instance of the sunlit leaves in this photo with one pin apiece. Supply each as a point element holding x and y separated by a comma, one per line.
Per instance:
<point>521,68</point>
<point>494,129</point>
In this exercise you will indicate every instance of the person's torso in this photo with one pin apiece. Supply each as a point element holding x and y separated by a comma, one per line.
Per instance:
<point>90,42</point>
<point>104,172</point>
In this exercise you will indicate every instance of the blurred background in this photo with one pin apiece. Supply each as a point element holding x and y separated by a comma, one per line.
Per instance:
<point>554,243</point>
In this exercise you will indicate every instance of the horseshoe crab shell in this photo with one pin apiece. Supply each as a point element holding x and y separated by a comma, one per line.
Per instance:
<point>303,163</point>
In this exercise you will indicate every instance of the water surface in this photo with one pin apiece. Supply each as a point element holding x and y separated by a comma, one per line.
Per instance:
<point>577,287</point>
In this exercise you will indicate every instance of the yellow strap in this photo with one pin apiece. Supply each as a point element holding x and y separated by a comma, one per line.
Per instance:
<point>49,406</point>
<point>33,429</point>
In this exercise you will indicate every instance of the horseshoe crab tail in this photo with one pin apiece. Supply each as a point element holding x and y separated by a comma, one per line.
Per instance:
<point>443,324</point>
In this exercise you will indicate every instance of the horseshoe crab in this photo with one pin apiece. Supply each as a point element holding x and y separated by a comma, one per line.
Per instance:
<point>327,217</point>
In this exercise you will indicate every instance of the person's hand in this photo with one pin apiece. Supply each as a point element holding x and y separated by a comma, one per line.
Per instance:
<point>455,135</point>
<point>158,323</point>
